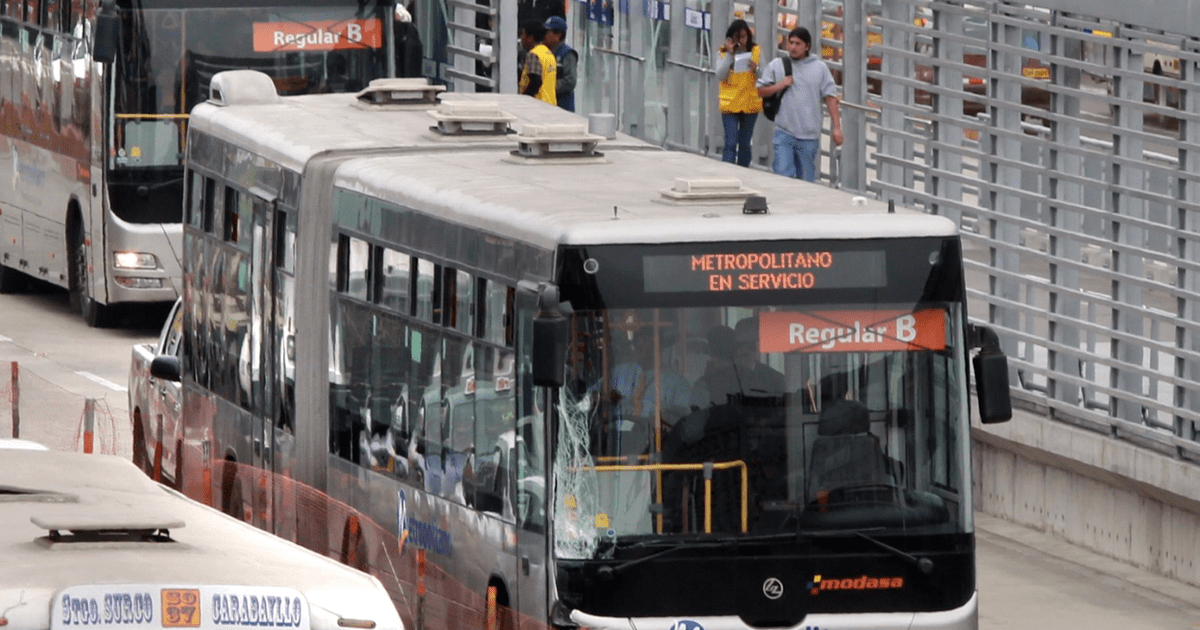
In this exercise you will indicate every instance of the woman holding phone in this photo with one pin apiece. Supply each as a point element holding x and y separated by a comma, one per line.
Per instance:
<point>737,68</point>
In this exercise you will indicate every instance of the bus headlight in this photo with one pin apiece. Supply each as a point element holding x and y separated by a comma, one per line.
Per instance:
<point>134,260</point>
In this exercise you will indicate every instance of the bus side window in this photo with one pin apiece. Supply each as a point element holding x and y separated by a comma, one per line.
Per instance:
<point>489,485</point>
<point>426,291</point>
<point>210,206</point>
<point>231,215</point>
<point>357,282</point>
<point>395,270</point>
<point>459,298</point>
<point>195,206</point>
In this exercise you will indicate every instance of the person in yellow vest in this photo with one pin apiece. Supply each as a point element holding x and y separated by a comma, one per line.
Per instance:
<point>539,74</point>
<point>740,103</point>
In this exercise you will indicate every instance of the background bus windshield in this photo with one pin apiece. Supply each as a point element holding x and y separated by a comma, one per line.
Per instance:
<point>170,55</point>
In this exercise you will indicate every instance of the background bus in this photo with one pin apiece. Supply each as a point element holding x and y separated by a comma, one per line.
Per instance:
<point>603,389</point>
<point>89,541</point>
<point>91,162</point>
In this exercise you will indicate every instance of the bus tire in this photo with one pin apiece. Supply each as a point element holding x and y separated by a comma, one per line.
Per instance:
<point>231,491</point>
<point>98,315</point>
<point>77,270</point>
<point>95,314</point>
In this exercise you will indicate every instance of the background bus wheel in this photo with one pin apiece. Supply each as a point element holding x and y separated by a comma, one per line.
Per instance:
<point>77,278</point>
<point>95,314</point>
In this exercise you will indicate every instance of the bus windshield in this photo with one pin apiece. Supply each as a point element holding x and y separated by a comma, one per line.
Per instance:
<point>169,56</point>
<point>751,411</point>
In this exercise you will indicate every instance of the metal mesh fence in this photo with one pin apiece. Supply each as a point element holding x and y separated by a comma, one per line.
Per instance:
<point>38,410</point>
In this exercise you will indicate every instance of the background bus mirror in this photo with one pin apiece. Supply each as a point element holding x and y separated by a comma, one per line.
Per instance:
<point>991,386</point>
<point>165,367</point>
<point>550,334</point>
<point>108,33</point>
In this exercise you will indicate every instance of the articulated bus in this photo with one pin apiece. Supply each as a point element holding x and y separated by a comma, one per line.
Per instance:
<point>94,100</point>
<point>90,542</point>
<point>591,384</point>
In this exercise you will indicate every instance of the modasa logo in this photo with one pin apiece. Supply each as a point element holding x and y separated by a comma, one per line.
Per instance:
<point>863,583</point>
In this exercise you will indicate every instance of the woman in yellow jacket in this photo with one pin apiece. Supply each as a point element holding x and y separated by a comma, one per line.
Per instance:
<point>738,69</point>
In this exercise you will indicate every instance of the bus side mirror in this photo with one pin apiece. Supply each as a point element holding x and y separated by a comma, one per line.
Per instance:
<point>991,378</point>
<point>550,333</point>
<point>107,34</point>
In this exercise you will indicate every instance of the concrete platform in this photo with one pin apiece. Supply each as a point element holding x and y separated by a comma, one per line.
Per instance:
<point>1030,579</point>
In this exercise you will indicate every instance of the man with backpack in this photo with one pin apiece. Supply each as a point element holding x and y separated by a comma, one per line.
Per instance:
<point>802,80</point>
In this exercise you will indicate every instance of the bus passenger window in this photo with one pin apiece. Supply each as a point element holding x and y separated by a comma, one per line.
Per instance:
<point>210,202</point>
<point>231,215</point>
<point>497,312</point>
<point>395,271</point>
<point>425,291</point>
<point>337,255</point>
<point>195,206</point>
<point>460,301</point>
<point>358,279</point>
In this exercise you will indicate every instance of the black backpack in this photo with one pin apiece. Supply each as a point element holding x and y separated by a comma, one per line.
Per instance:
<point>771,103</point>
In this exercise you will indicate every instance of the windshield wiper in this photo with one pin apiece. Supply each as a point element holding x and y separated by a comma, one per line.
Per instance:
<point>608,572</point>
<point>923,564</point>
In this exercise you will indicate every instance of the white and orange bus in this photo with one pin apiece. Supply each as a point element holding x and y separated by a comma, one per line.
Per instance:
<point>94,100</point>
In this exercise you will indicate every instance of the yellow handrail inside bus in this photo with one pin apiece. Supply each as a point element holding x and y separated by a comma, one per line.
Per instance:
<point>707,467</point>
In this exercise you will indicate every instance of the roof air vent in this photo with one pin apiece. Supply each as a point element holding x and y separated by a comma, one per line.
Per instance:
<point>460,118</point>
<point>80,527</point>
<point>706,191</point>
<point>242,87</point>
<point>557,141</point>
<point>411,91</point>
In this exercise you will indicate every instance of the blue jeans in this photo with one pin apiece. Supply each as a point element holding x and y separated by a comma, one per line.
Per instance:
<point>795,157</point>
<point>739,129</point>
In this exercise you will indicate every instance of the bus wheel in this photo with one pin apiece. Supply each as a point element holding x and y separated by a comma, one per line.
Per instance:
<point>98,315</point>
<point>95,314</point>
<point>231,492</point>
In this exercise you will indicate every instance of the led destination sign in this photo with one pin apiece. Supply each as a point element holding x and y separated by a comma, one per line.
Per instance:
<point>763,271</point>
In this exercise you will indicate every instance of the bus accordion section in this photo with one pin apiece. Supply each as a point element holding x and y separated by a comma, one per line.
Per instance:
<point>93,125</point>
<point>90,542</point>
<point>548,379</point>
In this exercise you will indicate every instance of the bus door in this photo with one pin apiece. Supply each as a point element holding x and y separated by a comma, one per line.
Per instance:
<point>257,349</point>
<point>282,332</point>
